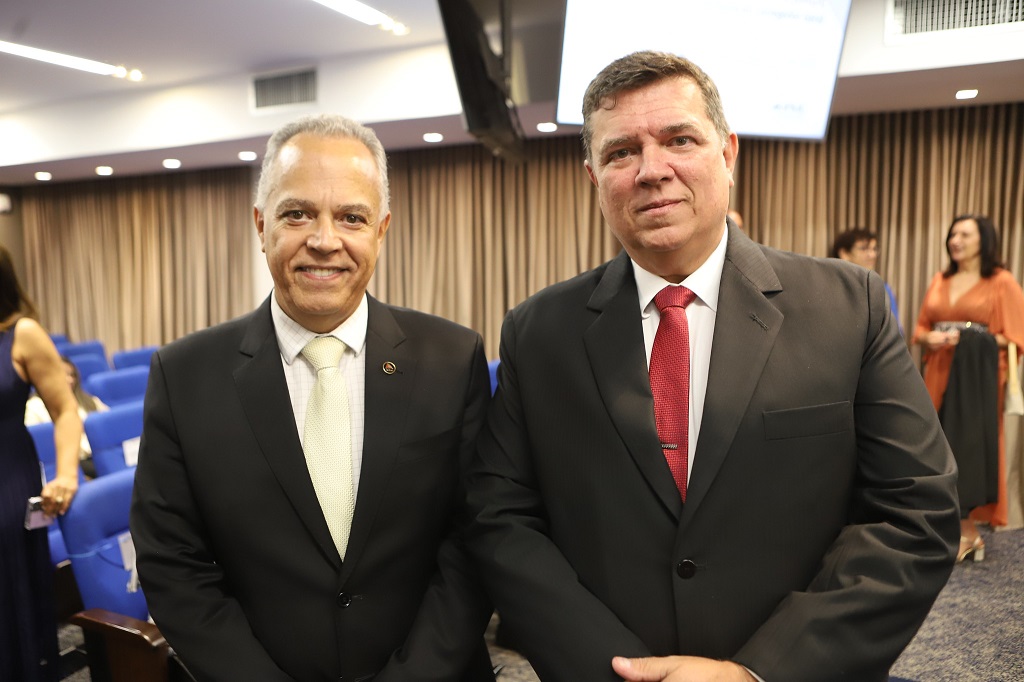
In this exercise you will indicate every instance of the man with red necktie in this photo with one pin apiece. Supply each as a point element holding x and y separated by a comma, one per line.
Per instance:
<point>706,459</point>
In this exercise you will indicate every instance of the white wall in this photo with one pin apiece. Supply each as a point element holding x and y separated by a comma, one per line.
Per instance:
<point>414,83</point>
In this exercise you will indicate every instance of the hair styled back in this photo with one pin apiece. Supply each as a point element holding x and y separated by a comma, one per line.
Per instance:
<point>639,69</point>
<point>845,241</point>
<point>13,300</point>
<point>324,126</point>
<point>86,401</point>
<point>989,250</point>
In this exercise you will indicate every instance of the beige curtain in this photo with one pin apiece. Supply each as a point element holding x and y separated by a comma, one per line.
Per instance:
<point>471,236</point>
<point>904,175</point>
<point>140,261</point>
<point>147,260</point>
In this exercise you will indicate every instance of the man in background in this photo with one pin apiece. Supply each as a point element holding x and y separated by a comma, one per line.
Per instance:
<point>300,473</point>
<point>706,459</point>
<point>860,246</point>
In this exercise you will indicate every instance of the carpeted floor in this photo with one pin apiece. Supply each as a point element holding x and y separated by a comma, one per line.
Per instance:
<point>975,632</point>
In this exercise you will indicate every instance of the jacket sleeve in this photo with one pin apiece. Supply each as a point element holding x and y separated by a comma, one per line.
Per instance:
<point>184,586</point>
<point>446,642</point>
<point>564,629</point>
<point>878,580</point>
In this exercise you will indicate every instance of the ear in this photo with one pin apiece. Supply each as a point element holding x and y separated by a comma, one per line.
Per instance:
<point>257,218</point>
<point>382,229</point>
<point>590,172</point>
<point>731,151</point>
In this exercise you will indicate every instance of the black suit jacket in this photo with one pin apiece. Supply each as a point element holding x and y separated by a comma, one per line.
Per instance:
<point>821,518</point>
<point>234,554</point>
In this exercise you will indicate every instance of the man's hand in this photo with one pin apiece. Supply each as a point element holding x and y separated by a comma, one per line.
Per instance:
<point>679,669</point>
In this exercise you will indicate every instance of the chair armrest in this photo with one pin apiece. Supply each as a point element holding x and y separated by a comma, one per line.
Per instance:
<point>121,648</point>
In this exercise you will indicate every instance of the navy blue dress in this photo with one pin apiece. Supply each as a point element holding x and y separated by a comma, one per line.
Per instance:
<point>28,628</point>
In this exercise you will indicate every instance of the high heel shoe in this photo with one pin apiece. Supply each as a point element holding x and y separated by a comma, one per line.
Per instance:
<point>975,551</point>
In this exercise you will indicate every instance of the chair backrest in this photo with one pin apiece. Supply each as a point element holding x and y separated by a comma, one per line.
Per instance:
<point>93,347</point>
<point>492,367</point>
<point>118,386</point>
<point>60,339</point>
<point>42,436</point>
<point>107,432</point>
<point>89,365</point>
<point>137,357</point>
<point>91,528</point>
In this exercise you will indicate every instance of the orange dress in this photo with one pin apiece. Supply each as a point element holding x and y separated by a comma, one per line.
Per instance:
<point>998,302</point>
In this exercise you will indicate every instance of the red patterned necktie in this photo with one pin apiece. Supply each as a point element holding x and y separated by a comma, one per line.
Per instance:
<point>670,380</point>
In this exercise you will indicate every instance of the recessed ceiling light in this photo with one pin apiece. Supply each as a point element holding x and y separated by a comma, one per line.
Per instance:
<point>67,60</point>
<point>433,137</point>
<point>246,156</point>
<point>44,176</point>
<point>966,94</point>
<point>547,127</point>
<point>171,164</point>
<point>104,170</point>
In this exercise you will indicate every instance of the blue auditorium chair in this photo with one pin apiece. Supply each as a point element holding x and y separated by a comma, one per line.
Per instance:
<point>136,357</point>
<point>42,436</point>
<point>93,347</point>
<point>59,339</point>
<point>107,432</point>
<point>492,367</point>
<point>118,386</point>
<point>89,365</point>
<point>121,644</point>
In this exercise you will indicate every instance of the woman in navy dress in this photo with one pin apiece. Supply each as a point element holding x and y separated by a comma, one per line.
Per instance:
<point>28,629</point>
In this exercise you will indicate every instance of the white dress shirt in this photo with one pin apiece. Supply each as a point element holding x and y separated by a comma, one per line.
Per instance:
<point>301,376</point>
<point>700,317</point>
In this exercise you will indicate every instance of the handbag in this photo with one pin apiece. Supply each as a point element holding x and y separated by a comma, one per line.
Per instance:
<point>1014,396</point>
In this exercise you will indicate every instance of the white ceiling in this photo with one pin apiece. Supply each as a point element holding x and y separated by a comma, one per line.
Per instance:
<point>183,42</point>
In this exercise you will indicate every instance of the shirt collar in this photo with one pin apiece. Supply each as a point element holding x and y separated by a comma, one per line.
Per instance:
<point>705,281</point>
<point>293,337</point>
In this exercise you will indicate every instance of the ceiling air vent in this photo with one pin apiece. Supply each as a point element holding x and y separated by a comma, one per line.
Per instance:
<point>911,17</point>
<point>280,89</point>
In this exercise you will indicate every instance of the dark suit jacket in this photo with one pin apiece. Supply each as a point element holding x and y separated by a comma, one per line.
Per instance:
<point>821,518</point>
<point>234,554</point>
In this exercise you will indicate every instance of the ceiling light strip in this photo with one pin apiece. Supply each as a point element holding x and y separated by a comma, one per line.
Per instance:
<point>57,58</point>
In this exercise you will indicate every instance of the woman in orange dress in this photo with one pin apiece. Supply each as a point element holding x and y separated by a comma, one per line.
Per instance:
<point>974,288</point>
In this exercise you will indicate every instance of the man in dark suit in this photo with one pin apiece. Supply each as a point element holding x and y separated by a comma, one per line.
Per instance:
<point>248,569</point>
<point>801,523</point>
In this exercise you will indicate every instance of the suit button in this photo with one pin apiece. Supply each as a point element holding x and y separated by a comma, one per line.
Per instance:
<point>344,600</point>
<point>686,569</point>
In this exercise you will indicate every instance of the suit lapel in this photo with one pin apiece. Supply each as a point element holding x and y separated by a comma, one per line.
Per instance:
<point>615,348</point>
<point>263,392</point>
<point>388,396</point>
<point>746,326</point>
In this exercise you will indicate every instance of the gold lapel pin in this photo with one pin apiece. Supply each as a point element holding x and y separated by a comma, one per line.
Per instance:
<point>389,367</point>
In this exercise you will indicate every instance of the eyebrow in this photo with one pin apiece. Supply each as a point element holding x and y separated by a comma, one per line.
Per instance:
<point>296,204</point>
<point>673,129</point>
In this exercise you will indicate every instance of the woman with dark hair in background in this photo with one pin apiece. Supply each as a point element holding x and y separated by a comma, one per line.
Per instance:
<point>28,358</point>
<point>36,412</point>
<point>970,313</point>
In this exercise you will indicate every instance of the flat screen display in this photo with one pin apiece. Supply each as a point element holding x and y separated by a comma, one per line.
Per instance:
<point>774,62</point>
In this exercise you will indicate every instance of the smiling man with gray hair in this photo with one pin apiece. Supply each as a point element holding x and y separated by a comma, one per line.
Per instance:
<point>300,476</point>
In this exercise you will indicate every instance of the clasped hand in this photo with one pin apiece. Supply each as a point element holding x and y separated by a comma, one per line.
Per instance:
<point>58,493</point>
<point>679,669</point>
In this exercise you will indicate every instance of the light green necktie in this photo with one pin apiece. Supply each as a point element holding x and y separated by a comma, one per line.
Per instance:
<point>327,438</point>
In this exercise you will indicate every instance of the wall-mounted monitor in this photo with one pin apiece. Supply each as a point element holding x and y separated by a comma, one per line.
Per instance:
<point>482,77</point>
<point>774,61</point>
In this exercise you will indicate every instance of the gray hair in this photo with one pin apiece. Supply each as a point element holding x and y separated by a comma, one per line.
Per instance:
<point>324,126</point>
<point>638,69</point>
